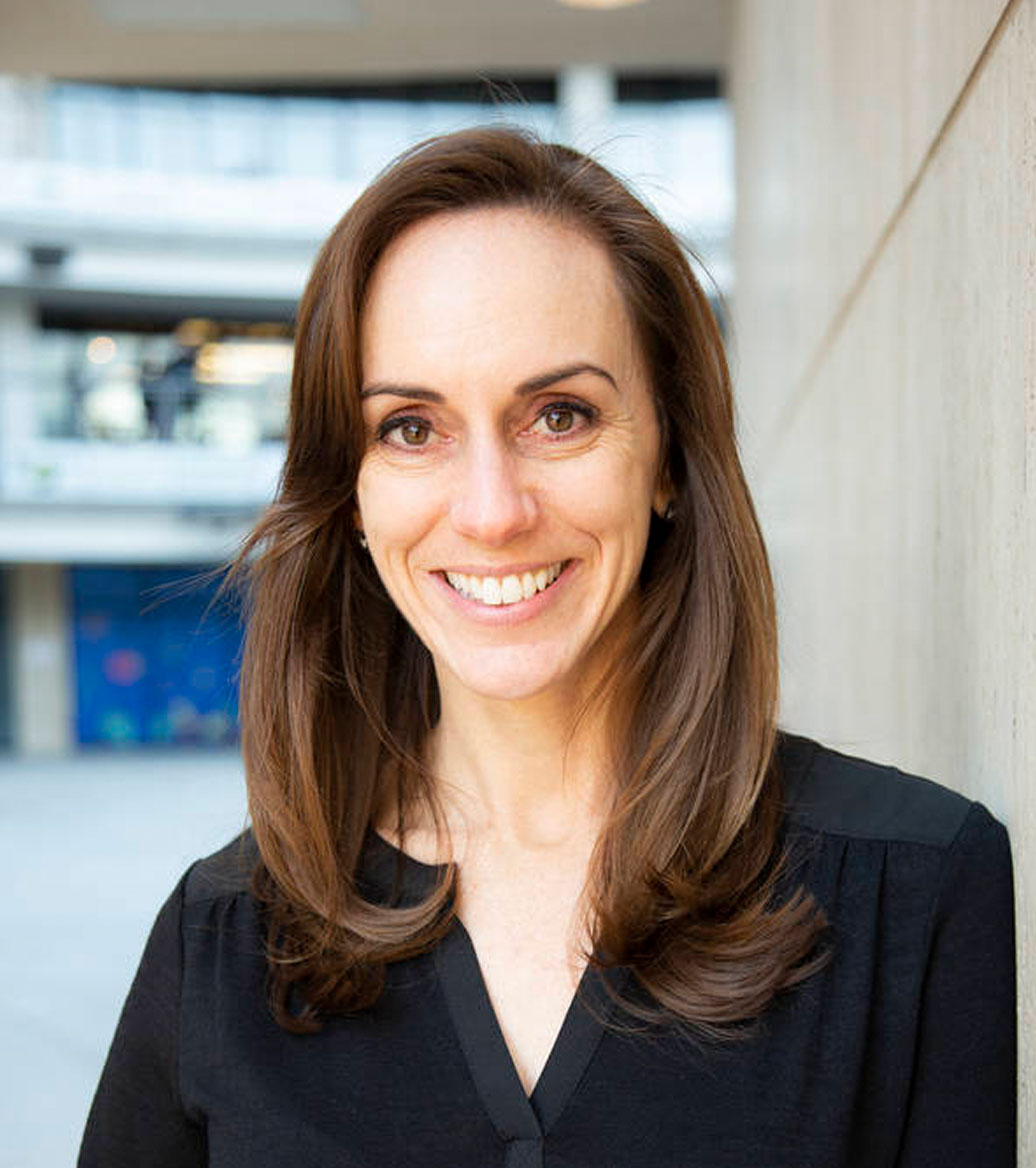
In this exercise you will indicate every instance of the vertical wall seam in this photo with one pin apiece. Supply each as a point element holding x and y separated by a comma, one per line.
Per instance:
<point>806,380</point>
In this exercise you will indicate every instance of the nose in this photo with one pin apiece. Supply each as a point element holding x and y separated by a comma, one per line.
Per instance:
<point>492,502</point>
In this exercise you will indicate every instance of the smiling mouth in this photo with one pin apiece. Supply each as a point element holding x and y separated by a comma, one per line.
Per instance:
<point>505,590</point>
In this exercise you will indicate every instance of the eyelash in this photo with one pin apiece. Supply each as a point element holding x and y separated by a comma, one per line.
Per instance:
<point>394,423</point>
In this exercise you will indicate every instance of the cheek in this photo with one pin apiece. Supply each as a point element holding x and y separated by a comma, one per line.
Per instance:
<point>397,511</point>
<point>393,509</point>
<point>609,493</point>
<point>394,524</point>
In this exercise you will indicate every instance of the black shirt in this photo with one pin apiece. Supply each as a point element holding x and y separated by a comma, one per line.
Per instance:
<point>900,1053</point>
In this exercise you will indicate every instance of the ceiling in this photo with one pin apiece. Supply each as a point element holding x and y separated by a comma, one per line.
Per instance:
<point>336,41</point>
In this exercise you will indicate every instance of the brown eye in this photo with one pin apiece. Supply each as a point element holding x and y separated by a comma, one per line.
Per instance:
<point>559,419</point>
<point>414,433</point>
<point>562,419</point>
<point>404,431</point>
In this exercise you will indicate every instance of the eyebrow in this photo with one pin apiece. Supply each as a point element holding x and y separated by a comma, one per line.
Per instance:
<point>530,385</point>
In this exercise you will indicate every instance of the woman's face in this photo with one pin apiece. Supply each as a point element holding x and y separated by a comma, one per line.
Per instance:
<point>513,448</point>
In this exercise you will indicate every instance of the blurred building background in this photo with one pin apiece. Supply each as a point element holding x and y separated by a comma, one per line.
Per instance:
<point>166,176</point>
<point>153,244</point>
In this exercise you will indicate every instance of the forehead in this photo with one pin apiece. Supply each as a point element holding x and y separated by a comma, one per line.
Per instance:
<point>510,286</point>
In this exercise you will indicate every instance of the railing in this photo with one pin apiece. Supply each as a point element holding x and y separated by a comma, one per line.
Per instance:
<point>121,431</point>
<point>55,137</point>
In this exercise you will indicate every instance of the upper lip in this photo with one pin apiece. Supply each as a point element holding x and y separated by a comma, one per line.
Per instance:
<point>501,570</point>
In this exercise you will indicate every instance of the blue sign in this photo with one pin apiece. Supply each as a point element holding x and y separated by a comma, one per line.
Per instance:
<point>155,659</point>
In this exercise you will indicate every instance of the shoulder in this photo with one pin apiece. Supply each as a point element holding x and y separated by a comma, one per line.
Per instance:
<point>225,873</point>
<point>927,863</point>
<point>838,794</point>
<point>222,926</point>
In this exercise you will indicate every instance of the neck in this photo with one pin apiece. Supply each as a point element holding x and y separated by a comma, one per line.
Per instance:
<point>526,773</point>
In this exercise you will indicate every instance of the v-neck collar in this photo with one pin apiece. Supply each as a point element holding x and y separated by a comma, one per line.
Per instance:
<point>515,1114</point>
<point>521,1120</point>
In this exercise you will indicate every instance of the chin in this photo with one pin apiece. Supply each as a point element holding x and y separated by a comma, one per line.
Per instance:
<point>509,675</point>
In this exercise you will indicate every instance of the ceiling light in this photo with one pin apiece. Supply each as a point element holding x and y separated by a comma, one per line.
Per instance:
<point>600,4</point>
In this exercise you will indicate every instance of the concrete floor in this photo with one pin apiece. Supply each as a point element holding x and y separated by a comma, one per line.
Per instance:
<point>89,849</point>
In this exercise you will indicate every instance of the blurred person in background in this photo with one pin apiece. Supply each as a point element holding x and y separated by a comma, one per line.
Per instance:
<point>533,876</point>
<point>173,392</point>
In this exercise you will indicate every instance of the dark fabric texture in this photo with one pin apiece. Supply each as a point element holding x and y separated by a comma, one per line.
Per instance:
<point>899,1054</point>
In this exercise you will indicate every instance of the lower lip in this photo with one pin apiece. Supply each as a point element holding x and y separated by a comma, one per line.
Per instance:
<point>507,614</point>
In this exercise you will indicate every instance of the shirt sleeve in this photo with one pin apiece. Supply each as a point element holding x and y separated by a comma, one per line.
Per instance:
<point>137,1117</point>
<point>963,1096</point>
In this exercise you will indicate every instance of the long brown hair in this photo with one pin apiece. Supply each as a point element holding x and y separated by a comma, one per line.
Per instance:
<point>338,694</point>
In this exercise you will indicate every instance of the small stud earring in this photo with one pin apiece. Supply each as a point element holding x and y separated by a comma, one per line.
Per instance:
<point>670,511</point>
<point>363,540</point>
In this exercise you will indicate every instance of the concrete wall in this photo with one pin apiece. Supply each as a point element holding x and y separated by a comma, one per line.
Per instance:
<point>42,681</point>
<point>884,351</point>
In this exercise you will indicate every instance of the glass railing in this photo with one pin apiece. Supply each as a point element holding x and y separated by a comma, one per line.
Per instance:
<point>240,135</point>
<point>191,419</point>
<point>198,385</point>
<point>679,154</point>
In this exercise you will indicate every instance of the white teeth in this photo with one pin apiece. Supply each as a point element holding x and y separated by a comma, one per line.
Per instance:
<point>510,589</point>
<point>496,590</point>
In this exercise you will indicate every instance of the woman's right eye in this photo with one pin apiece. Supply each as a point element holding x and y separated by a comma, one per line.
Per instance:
<point>405,431</point>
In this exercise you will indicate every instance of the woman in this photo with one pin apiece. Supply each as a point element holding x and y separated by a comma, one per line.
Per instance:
<point>533,878</point>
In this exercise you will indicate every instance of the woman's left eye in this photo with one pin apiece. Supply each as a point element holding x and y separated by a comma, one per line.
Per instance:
<point>562,418</point>
<point>405,430</point>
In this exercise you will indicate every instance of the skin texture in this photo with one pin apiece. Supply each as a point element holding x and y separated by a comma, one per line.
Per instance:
<point>488,469</point>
